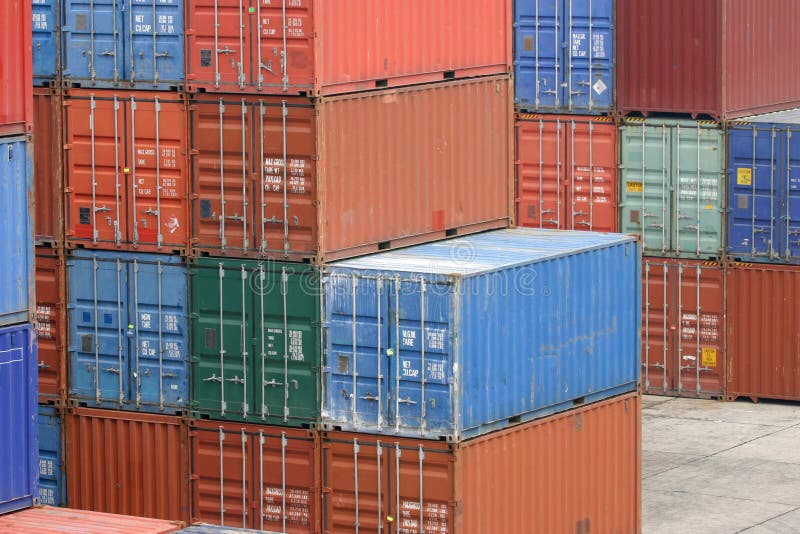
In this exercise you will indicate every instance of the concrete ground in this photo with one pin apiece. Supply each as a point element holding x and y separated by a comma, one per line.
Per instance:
<point>720,467</point>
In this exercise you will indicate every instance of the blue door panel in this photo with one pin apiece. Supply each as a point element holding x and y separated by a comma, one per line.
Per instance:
<point>93,33</point>
<point>46,20</point>
<point>156,42</point>
<point>590,35</point>
<point>537,61</point>
<point>51,479</point>
<point>790,212</point>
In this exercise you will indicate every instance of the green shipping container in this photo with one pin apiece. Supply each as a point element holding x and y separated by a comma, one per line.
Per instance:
<point>673,186</point>
<point>244,366</point>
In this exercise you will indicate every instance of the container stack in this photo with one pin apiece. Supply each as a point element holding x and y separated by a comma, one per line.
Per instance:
<point>18,414</point>
<point>709,190</point>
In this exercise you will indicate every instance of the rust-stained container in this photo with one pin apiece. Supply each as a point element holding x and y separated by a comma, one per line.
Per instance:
<point>16,68</point>
<point>308,46</point>
<point>51,520</point>
<point>566,172</point>
<point>127,172</point>
<point>261,477</point>
<point>127,463</point>
<point>48,178</point>
<point>683,328</point>
<point>719,58</point>
<point>364,172</point>
<point>763,340</point>
<point>51,324</point>
<point>578,471</point>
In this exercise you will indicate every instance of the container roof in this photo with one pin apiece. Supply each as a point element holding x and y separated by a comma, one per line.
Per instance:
<point>485,252</point>
<point>789,116</point>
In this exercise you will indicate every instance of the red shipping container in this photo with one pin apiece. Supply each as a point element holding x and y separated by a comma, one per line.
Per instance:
<point>720,58</point>
<point>763,340</point>
<point>566,172</point>
<point>308,47</point>
<point>16,68</point>
<point>363,172</point>
<point>683,328</point>
<point>50,520</point>
<point>261,477</point>
<point>578,471</point>
<point>51,324</point>
<point>127,171</point>
<point>47,170</point>
<point>127,463</point>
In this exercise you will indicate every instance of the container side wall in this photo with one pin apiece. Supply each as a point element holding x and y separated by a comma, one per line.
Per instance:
<point>51,466</point>
<point>51,324</point>
<point>48,177</point>
<point>19,486</point>
<point>152,482</point>
<point>16,71</point>
<point>587,464</point>
<point>762,309</point>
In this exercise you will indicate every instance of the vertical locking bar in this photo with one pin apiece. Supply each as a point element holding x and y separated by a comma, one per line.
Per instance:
<point>261,184</point>
<point>664,185</point>
<point>397,454</point>
<point>221,476</point>
<point>647,324</point>
<point>284,443</point>
<point>421,492</point>
<point>559,185</point>
<point>160,338</point>
<point>260,77</point>
<point>92,68</point>
<point>284,54</point>
<point>538,82</point>
<point>261,441</point>
<point>572,170</point>
<point>117,184</point>
<point>643,212</point>
<point>284,294</point>
<point>160,238</point>
<point>589,84</point>
<point>772,195</point>
<point>92,106</point>
<point>244,341</point>
<point>95,267</point>
<point>241,46</point>
<point>788,194</point>
<point>244,478</point>
<point>753,179</point>
<point>697,352</point>
<point>591,162</point>
<point>678,196</point>
<point>680,328</point>
<point>284,115</point>
<point>356,449</point>
<point>216,44</point>
<point>262,335</point>
<point>223,242</point>
<point>378,455</point>
<point>558,60</point>
<point>245,203</point>
<point>354,332</point>
<point>699,190</point>
<point>665,327</point>
<point>397,354</point>
<point>541,148</point>
<point>137,340</point>
<point>120,392</point>
<point>221,344</point>
<point>134,185</point>
<point>423,413</point>
<point>570,65</point>
<point>155,47</point>
<point>379,284</point>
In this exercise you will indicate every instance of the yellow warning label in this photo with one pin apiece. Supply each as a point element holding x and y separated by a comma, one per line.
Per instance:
<point>634,187</point>
<point>709,357</point>
<point>709,207</point>
<point>744,176</point>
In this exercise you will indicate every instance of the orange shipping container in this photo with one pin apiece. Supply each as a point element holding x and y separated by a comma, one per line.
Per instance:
<point>51,324</point>
<point>340,176</point>
<point>127,463</point>
<point>47,170</point>
<point>579,471</point>
<point>308,46</point>
<point>50,520</point>
<point>126,166</point>
<point>566,172</point>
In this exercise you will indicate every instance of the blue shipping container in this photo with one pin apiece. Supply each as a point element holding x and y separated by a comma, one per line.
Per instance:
<point>46,18</point>
<point>764,189</point>
<point>462,337</point>
<point>124,43</point>
<point>128,324</point>
<point>564,56</point>
<point>16,216</point>
<point>51,467</point>
<point>19,455</point>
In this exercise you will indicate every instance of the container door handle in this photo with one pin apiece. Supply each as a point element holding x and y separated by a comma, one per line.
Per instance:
<point>235,380</point>
<point>406,401</point>
<point>213,378</point>
<point>370,397</point>
<point>113,370</point>
<point>168,375</point>
<point>43,365</point>
<point>274,383</point>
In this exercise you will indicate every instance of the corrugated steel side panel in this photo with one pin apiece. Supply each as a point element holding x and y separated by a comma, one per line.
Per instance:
<point>16,69</point>
<point>46,41</point>
<point>51,326</point>
<point>564,56</point>
<point>575,472</point>
<point>153,479</point>
<point>19,485</point>
<point>261,477</point>
<point>202,528</point>
<point>129,331</point>
<point>48,171</point>
<point>567,172</point>
<point>49,520</point>
<point>17,299</point>
<point>432,160</point>
<point>51,454</point>
<point>762,331</point>
<point>684,77</point>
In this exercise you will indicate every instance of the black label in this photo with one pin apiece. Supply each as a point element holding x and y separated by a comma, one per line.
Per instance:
<point>84,216</point>
<point>205,58</point>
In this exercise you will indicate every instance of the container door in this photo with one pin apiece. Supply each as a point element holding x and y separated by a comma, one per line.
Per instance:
<point>223,374</point>
<point>219,43</point>
<point>158,188</point>
<point>589,31</point>
<point>284,45</point>
<point>753,152</point>
<point>540,162</point>
<point>645,170</point>
<point>538,58</point>
<point>155,42</point>
<point>50,324</point>
<point>95,179</point>
<point>421,372</point>
<point>790,225</point>
<point>99,327</point>
<point>287,344</point>
<point>592,177</point>
<point>657,369</point>
<point>699,313</point>
<point>50,457</point>
<point>46,21</point>
<point>93,47</point>
<point>358,351</point>
<point>221,182</point>
<point>157,294</point>
<point>699,190</point>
